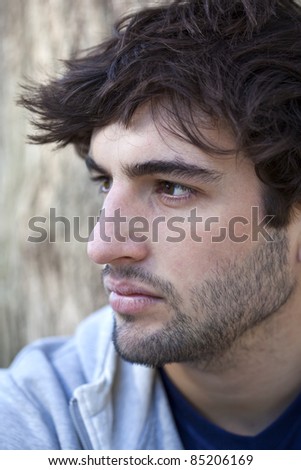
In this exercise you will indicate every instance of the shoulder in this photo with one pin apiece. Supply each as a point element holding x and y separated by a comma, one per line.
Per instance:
<point>78,354</point>
<point>35,390</point>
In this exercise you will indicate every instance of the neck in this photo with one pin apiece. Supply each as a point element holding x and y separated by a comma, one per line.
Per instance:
<point>250,386</point>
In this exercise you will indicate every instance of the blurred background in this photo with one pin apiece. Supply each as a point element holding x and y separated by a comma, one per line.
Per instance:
<point>45,288</point>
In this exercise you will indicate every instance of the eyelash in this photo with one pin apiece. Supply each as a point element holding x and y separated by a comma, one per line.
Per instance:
<point>189,192</point>
<point>101,180</point>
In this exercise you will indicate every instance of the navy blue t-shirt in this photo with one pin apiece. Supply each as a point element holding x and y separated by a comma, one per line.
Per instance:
<point>197,433</point>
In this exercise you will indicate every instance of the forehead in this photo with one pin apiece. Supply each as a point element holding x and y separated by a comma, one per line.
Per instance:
<point>146,138</point>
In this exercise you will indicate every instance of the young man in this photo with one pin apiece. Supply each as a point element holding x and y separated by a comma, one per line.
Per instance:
<point>190,118</point>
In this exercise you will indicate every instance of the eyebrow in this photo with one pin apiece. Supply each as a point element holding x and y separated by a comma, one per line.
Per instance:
<point>93,166</point>
<point>177,168</point>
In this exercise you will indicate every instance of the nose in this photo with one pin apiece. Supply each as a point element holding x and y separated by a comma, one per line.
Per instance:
<point>114,239</point>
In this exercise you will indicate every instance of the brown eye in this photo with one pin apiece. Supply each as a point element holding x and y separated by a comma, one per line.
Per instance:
<point>105,185</point>
<point>173,189</point>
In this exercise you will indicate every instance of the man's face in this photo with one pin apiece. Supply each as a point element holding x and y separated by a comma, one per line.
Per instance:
<point>203,273</point>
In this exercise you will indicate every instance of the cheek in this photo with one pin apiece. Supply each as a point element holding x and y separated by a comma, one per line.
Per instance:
<point>201,251</point>
<point>184,263</point>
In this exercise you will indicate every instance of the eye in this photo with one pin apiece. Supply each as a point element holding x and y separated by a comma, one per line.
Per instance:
<point>174,189</point>
<point>104,183</point>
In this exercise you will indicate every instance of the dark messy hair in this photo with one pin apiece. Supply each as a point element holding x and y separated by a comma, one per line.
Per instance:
<point>229,63</point>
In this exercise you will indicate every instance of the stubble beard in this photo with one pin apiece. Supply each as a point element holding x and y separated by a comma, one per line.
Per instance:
<point>238,296</point>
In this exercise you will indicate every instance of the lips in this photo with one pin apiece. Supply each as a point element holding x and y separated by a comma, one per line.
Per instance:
<point>129,298</point>
<point>127,288</point>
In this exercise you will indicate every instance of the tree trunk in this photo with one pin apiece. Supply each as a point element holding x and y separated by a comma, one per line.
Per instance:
<point>45,288</point>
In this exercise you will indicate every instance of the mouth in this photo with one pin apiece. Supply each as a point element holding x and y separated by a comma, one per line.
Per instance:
<point>129,299</point>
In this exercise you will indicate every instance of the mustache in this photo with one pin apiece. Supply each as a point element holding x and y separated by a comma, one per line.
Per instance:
<point>139,274</point>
